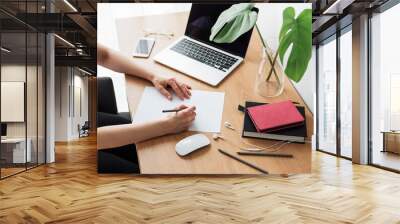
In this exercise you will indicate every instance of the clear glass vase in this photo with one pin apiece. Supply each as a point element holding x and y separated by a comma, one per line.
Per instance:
<point>270,77</point>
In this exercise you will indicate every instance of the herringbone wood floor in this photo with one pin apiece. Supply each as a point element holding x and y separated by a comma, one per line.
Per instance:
<point>70,191</point>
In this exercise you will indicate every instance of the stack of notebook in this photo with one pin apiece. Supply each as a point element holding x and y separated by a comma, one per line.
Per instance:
<point>277,121</point>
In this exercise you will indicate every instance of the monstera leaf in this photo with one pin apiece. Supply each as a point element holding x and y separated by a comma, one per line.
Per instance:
<point>233,22</point>
<point>295,32</point>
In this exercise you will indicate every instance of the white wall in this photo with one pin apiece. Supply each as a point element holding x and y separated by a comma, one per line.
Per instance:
<point>80,83</point>
<point>61,103</point>
<point>15,72</point>
<point>68,80</point>
<point>13,97</point>
<point>33,126</point>
<point>10,72</point>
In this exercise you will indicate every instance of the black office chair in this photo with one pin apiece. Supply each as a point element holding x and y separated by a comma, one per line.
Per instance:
<point>115,160</point>
<point>84,129</point>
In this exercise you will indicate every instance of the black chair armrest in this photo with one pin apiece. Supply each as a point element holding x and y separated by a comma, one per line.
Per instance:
<point>106,119</point>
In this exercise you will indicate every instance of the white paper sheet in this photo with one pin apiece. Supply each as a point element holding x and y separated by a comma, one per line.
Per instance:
<point>209,108</point>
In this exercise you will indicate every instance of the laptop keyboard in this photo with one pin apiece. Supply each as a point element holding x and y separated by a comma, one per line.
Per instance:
<point>204,54</point>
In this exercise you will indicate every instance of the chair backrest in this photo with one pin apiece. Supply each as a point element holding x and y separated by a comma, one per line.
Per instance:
<point>86,125</point>
<point>106,101</point>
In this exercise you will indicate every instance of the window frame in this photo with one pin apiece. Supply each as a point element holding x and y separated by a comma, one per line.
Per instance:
<point>27,29</point>
<point>334,37</point>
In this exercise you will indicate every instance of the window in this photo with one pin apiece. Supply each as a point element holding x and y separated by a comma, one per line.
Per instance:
<point>385,89</point>
<point>394,102</point>
<point>346,75</point>
<point>335,74</point>
<point>327,96</point>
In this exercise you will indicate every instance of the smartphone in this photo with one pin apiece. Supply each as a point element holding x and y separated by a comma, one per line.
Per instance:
<point>144,47</point>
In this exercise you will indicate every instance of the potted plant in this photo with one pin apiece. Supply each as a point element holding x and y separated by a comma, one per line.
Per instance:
<point>295,43</point>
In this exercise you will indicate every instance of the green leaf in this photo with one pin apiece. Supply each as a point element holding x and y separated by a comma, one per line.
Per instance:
<point>233,22</point>
<point>295,32</point>
<point>288,20</point>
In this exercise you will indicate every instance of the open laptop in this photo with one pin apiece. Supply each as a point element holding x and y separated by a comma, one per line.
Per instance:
<point>193,54</point>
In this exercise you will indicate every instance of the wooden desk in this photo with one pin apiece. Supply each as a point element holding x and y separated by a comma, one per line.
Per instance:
<point>13,150</point>
<point>158,156</point>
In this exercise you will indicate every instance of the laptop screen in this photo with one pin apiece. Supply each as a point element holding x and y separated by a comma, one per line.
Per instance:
<point>203,17</point>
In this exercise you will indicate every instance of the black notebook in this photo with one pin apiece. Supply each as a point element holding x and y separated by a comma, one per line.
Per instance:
<point>293,134</point>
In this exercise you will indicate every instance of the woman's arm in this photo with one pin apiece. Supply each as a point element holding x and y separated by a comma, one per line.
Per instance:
<point>118,62</point>
<point>125,134</point>
<point>120,135</point>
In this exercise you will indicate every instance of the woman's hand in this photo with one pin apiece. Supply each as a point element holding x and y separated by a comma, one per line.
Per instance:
<point>180,89</point>
<point>119,135</point>
<point>181,120</point>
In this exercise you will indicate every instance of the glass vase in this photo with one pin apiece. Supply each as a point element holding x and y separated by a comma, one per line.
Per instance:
<point>270,77</point>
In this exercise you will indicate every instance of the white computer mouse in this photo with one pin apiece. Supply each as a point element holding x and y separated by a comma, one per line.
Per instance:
<point>191,143</point>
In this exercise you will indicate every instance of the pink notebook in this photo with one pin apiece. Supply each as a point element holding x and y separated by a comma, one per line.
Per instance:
<point>275,116</point>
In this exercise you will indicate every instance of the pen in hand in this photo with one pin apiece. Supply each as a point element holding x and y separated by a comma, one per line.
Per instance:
<point>174,110</point>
